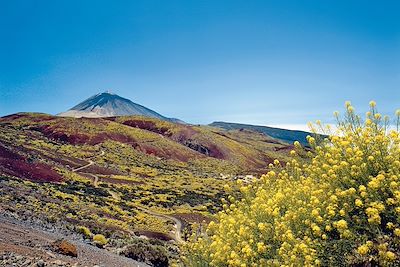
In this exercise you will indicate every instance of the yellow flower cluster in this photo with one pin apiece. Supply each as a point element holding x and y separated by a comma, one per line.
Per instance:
<point>338,206</point>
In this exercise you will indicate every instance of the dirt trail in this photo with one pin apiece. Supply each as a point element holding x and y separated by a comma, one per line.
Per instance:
<point>177,222</point>
<point>24,240</point>
<point>90,163</point>
<point>85,166</point>
<point>95,178</point>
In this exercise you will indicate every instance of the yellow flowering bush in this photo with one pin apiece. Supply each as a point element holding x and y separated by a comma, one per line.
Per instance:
<point>84,231</point>
<point>335,205</point>
<point>100,240</point>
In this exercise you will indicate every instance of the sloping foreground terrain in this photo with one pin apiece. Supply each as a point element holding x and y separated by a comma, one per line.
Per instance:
<point>130,185</point>
<point>23,245</point>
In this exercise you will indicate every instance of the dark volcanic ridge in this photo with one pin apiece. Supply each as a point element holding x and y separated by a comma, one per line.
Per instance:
<point>285,135</point>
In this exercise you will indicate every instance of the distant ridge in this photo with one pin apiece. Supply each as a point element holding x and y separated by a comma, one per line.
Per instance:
<point>288,136</point>
<point>108,104</point>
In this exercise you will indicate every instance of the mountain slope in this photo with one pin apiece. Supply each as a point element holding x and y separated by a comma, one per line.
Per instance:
<point>108,105</point>
<point>115,175</point>
<point>288,136</point>
<point>148,140</point>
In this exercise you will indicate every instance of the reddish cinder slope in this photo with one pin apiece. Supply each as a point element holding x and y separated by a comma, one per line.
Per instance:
<point>92,131</point>
<point>58,132</point>
<point>16,165</point>
<point>244,148</point>
<point>183,134</point>
<point>166,140</point>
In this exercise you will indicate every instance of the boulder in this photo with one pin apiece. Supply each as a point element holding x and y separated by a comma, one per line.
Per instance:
<point>64,247</point>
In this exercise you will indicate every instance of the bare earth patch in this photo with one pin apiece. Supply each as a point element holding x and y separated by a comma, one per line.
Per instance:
<point>35,245</point>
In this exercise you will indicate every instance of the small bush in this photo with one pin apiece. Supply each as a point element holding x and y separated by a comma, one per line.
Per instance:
<point>143,251</point>
<point>100,240</point>
<point>85,231</point>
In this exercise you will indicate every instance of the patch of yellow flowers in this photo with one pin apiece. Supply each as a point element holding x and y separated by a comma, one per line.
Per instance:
<point>336,204</point>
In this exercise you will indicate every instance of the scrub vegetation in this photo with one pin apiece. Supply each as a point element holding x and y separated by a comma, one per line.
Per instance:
<point>116,182</point>
<point>336,205</point>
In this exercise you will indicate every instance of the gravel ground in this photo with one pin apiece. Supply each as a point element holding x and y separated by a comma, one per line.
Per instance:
<point>23,245</point>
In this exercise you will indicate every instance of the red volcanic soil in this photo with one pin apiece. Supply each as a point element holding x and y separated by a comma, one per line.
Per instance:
<point>80,139</point>
<point>184,137</point>
<point>14,164</point>
<point>64,160</point>
<point>51,133</point>
<point>155,235</point>
<point>33,118</point>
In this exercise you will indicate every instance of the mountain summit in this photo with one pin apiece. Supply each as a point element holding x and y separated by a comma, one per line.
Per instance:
<point>109,105</point>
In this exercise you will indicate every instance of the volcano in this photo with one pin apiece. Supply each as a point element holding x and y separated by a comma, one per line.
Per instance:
<point>110,105</point>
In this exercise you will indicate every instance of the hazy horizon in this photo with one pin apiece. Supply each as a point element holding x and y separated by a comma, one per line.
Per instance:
<point>255,62</point>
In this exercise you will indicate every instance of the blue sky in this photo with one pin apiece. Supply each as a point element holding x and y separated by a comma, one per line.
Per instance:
<point>262,62</point>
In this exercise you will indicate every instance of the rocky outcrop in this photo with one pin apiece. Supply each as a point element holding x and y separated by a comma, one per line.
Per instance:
<point>64,247</point>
